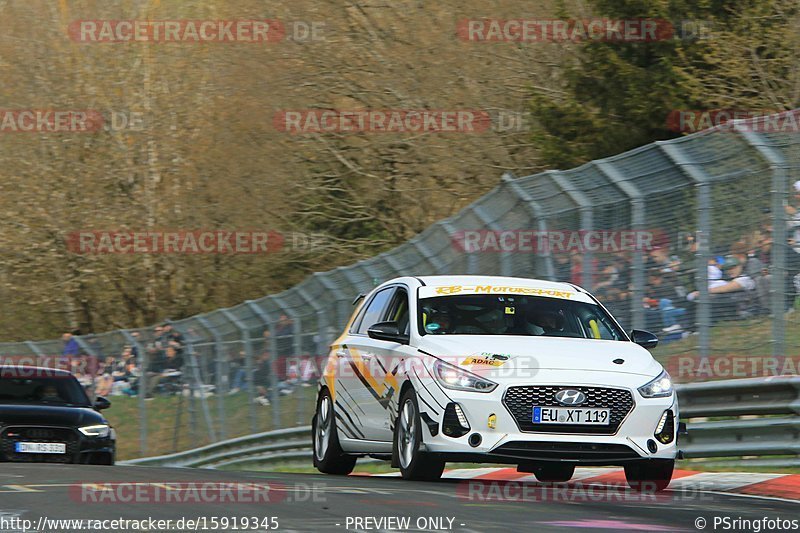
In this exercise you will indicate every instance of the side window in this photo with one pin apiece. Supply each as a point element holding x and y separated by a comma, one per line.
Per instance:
<point>398,310</point>
<point>375,309</point>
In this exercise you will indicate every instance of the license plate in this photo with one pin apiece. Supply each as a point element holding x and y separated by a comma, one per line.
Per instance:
<point>40,447</point>
<point>571,415</point>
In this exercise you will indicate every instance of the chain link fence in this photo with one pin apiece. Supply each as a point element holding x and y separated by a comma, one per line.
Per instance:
<point>692,238</point>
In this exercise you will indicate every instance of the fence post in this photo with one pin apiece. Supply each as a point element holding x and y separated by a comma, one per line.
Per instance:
<point>780,195</point>
<point>675,154</point>
<point>486,220</point>
<point>142,392</point>
<point>636,199</point>
<point>537,214</point>
<point>586,223</point>
<point>196,384</point>
<point>35,351</point>
<point>244,333</point>
<point>220,387</point>
<point>273,351</point>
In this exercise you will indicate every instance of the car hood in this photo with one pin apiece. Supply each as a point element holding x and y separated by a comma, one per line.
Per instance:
<point>497,354</point>
<point>48,415</point>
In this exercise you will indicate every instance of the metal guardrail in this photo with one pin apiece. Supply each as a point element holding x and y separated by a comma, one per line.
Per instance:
<point>768,424</point>
<point>272,446</point>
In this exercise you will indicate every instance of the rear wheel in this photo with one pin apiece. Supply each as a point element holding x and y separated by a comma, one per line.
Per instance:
<point>652,475</point>
<point>328,455</point>
<point>555,473</point>
<point>414,463</point>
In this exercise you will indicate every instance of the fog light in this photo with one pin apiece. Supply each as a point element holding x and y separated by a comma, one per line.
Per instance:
<point>462,419</point>
<point>492,423</point>
<point>454,423</point>
<point>665,430</point>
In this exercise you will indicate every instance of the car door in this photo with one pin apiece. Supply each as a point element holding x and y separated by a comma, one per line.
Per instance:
<point>363,390</point>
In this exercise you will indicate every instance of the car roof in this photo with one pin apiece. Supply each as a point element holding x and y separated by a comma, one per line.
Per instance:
<point>28,368</point>
<point>496,280</point>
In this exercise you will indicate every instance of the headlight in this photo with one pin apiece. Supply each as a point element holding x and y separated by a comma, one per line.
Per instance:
<point>100,431</point>
<point>452,377</point>
<point>658,388</point>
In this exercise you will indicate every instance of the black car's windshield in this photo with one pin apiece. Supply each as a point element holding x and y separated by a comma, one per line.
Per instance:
<point>499,314</point>
<point>40,390</point>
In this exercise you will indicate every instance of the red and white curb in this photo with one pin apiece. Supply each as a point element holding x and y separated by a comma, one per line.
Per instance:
<point>782,486</point>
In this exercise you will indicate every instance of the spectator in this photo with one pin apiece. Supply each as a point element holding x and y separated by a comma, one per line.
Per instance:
<point>239,373</point>
<point>71,347</point>
<point>167,366</point>
<point>261,377</point>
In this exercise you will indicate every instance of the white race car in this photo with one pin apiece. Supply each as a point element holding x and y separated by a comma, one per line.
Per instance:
<point>494,370</point>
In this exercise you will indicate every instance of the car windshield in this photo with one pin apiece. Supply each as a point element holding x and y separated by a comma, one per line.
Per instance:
<point>39,390</point>
<point>498,314</point>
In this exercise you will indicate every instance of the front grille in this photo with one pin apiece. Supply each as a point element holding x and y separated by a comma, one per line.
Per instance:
<point>575,451</point>
<point>520,401</point>
<point>14,434</point>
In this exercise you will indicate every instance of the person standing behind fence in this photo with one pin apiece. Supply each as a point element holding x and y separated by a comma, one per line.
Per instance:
<point>793,258</point>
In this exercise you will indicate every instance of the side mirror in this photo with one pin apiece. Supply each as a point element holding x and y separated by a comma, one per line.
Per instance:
<point>101,403</point>
<point>643,338</point>
<point>387,331</point>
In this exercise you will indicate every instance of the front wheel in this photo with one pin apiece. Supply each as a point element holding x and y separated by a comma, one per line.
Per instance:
<point>328,455</point>
<point>414,463</point>
<point>652,475</point>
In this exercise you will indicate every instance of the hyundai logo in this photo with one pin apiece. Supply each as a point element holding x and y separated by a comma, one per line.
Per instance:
<point>570,397</point>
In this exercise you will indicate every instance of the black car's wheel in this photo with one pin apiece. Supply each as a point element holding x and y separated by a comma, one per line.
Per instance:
<point>104,459</point>
<point>653,475</point>
<point>328,455</point>
<point>413,463</point>
<point>554,473</point>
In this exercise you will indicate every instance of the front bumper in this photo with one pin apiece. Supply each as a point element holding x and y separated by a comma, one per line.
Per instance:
<point>632,439</point>
<point>80,448</point>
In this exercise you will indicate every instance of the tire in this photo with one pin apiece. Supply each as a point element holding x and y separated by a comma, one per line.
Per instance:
<point>554,473</point>
<point>414,464</point>
<point>652,475</point>
<point>328,455</point>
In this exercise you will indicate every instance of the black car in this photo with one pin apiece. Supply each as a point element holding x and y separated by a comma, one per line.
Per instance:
<point>46,416</point>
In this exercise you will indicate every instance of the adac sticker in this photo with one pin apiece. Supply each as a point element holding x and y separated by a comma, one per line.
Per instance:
<point>486,359</point>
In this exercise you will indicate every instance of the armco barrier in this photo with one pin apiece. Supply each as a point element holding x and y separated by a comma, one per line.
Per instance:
<point>768,424</point>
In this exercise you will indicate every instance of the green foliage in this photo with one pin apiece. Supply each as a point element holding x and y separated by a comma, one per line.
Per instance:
<point>619,95</point>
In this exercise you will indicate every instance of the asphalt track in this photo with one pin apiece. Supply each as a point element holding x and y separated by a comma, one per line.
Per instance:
<point>311,503</point>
